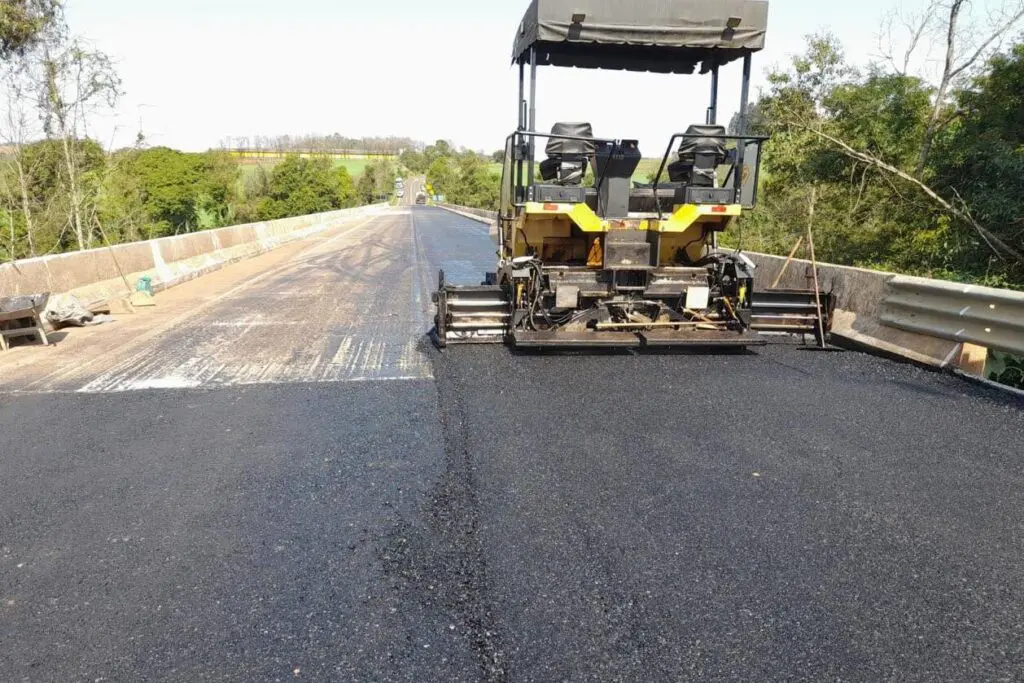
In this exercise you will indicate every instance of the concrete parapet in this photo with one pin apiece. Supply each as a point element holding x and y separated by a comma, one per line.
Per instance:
<point>98,275</point>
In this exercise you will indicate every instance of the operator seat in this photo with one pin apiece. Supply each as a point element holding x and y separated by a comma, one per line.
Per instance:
<point>568,159</point>
<point>699,157</point>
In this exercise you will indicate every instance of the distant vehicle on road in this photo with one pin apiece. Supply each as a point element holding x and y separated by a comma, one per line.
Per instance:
<point>421,198</point>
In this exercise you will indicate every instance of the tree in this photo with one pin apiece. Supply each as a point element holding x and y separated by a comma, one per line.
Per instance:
<point>442,176</point>
<point>65,82</point>
<point>159,191</point>
<point>376,181</point>
<point>980,162</point>
<point>17,132</point>
<point>966,44</point>
<point>122,205</point>
<point>862,217</point>
<point>414,160</point>
<point>853,140</point>
<point>346,187</point>
<point>23,22</point>
<point>300,186</point>
<point>49,192</point>
<point>73,82</point>
<point>383,172</point>
<point>473,184</point>
<point>366,188</point>
<point>439,150</point>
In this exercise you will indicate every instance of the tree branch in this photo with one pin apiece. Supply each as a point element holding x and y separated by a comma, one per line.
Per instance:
<point>952,70</point>
<point>998,33</point>
<point>962,212</point>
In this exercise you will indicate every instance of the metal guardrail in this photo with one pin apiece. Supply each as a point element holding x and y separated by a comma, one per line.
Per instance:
<point>985,316</point>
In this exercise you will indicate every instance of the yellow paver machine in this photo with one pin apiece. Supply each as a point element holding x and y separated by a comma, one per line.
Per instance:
<point>614,263</point>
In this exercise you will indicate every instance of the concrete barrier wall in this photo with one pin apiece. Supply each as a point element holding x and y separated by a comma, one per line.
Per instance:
<point>859,294</point>
<point>99,274</point>
<point>491,216</point>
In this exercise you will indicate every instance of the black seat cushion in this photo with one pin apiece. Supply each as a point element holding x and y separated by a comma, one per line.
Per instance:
<point>567,159</point>
<point>569,148</point>
<point>700,156</point>
<point>711,141</point>
<point>680,171</point>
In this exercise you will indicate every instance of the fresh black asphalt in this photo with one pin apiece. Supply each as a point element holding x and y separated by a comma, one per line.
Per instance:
<point>780,515</point>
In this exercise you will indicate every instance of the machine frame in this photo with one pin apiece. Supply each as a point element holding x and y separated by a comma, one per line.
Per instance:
<point>654,274</point>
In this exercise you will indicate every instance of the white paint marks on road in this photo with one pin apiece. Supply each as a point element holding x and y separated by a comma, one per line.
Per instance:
<point>352,308</point>
<point>158,383</point>
<point>411,359</point>
<point>358,359</point>
<point>378,358</point>
<point>257,323</point>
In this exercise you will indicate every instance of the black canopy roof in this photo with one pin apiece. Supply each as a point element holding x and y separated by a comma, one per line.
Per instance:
<point>664,36</point>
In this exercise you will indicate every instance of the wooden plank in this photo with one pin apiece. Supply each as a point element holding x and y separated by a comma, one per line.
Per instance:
<point>973,360</point>
<point>23,314</point>
<point>20,332</point>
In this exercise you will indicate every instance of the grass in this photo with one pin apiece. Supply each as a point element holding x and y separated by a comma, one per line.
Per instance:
<point>355,167</point>
<point>647,169</point>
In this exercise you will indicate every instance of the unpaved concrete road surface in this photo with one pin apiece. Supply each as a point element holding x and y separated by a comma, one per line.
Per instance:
<point>272,476</point>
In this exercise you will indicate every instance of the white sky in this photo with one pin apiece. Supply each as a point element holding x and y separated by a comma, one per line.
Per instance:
<point>197,71</point>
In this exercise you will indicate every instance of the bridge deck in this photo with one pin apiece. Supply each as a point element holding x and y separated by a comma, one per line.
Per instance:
<point>273,473</point>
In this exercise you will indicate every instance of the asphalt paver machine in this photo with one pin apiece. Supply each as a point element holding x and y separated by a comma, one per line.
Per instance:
<point>586,256</point>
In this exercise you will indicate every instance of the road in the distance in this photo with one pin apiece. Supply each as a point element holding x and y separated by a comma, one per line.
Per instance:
<point>283,481</point>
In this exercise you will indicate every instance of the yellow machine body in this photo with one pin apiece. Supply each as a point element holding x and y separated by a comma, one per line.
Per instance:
<point>574,232</point>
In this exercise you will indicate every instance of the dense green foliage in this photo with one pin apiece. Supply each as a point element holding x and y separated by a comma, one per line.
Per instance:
<point>1006,369</point>
<point>868,215</point>
<point>144,193</point>
<point>376,182</point>
<point>464,178</point>
<point>160,191</point>
<point>300,186</point>
<point>981,159</point>
<point>36,182</point>
<point>420,161</point>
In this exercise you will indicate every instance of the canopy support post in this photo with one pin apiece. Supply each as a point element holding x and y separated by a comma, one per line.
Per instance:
<point>741,146</point>
<point>713,108</point>
<point>517,140</point>
<point>748,60</point>
<point>533,114</point>
<point>521,105</point>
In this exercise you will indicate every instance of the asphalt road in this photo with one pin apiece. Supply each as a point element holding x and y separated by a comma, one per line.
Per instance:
<point>285,482</point>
